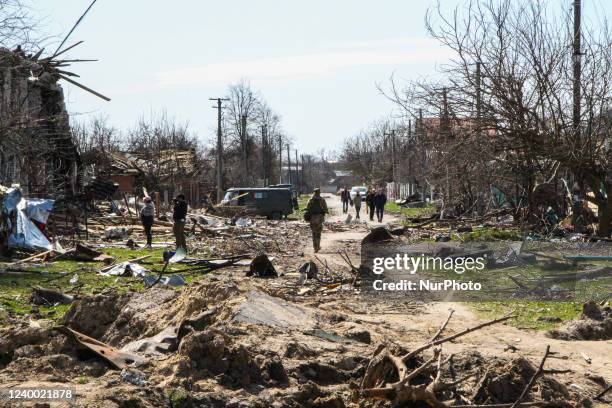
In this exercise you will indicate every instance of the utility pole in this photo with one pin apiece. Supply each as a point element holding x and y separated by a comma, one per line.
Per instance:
<point>408,159</point>
<point>280,159</point>
<point>264,167</point>
<point>577,66</point>
<point>421,137</point>
<point>391,134</point>
<point>244,165</point>
<point>219,107</point>
<point>297,170</point>
<point>289,163</point>
<point>303,173</point>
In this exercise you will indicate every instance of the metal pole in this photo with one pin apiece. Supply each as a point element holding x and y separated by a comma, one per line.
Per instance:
<point>280,159</point>
<point>297,170</point>
<point>244,166</point>
<point>219,148</point>
<point>263,155</point>
<point>289,164</point>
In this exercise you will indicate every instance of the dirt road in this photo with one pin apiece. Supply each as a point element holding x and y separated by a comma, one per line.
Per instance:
<point>404,326</point>
<point>335,205</point>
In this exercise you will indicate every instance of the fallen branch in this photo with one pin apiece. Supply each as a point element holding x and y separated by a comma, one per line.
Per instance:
<point>401,391</point>
<point>533,379</point>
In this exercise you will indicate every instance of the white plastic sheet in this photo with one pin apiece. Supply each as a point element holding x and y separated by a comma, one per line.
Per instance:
<point>38,209</point>
<point>27,235</point>
<point>120,269</point>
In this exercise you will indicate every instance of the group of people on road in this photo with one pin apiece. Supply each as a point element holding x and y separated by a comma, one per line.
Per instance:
<point>375,201</point>
<point>316,209</point>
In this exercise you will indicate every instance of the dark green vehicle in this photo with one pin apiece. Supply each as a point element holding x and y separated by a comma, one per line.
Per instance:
<point>273,203</point>
<point>294,193</point>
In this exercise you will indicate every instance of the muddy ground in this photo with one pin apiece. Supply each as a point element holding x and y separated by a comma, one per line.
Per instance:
<point>227,340</point>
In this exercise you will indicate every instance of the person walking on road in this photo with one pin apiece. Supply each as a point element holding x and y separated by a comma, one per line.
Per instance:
<point>315,215</point>
<point>345,196</point>
<point>369,198</point>
<point>380,199</point>
<point>147,215</point>
<point>179,215</point>
<point>357,204</point>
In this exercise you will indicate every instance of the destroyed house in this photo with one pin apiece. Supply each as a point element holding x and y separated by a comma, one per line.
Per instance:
<point>169,172</point>
<point>36,148</point>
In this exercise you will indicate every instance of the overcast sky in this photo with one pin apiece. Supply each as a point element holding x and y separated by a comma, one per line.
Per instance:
<point>315,62</point>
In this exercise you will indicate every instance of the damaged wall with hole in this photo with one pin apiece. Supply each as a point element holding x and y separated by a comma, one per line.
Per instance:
<point>36,146</point>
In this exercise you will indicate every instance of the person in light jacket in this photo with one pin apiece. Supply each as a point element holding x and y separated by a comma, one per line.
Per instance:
<point>147,215</point>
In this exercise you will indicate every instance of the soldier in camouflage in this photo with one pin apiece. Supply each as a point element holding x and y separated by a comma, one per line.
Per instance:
<point>316,208</point>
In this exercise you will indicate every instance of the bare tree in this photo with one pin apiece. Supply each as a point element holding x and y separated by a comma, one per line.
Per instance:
<point>96,141</point>
<point>17,24</point>
<point>506,98</point>
<point>369,153</point>
<point>243,108</point>
<point>157,140</point>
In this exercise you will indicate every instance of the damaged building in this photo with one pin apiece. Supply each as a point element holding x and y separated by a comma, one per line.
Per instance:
<point>36,148</point>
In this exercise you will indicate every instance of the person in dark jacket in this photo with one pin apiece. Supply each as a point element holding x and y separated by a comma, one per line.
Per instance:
<point>369,199</point>
<point>147,215</point>
<point>345,196</point>
<point>380,199</point>
<point>179,215</point>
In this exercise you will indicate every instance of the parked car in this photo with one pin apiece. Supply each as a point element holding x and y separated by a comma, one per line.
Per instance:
<point>273,203</point>
<point>362,191</point>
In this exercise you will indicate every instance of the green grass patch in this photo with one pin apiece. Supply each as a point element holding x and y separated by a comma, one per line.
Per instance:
<point>15,287</point>
<point>528,309</point>
<point>529,312</point>
<point>491,234</point>
<point>299,213</point>
<point>426,211</point>
<point>82,380</point>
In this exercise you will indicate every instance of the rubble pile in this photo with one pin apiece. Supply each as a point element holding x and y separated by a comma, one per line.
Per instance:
<point>256,321</point>
<point>223,343</point>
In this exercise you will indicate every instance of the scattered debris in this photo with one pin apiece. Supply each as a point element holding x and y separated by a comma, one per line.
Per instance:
<point>115,357</point>
<point>377,234</point>
<point>261,266</point>
<point>49,297</point>
<point>308,270</point>
<point>126,269</point>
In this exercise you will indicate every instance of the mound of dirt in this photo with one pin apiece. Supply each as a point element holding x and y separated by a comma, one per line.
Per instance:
<point>116,318</point>
<point>212,354</point>
<point>93,315</point>
<point>595,323</point>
